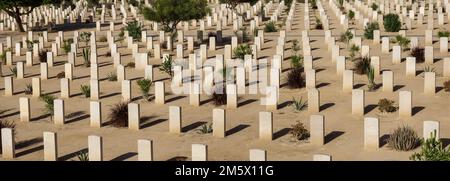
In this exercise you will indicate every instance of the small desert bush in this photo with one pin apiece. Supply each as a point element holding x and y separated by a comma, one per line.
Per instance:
<point>270,27</point>
<point>103,39</point>
<point>205,129</point>
<point>362,65</point>
<point>219,96</point>
<point>112,76</point>
<point>61,75</point>
<point>42,55</point>
<point>144,87</point>
<point>118,115</point>
<point>242,50</point>
<point>403,139</point>
<point>28,89</point>
<point>298,131</point>
<point>134,29</point>
<point>67,45</point>
<point>392,22</point>
<point>319,25</point>
<point>86,90</point>
<point>353,50</point>
<point>432,150</point>
<point>402,41</point>
<point>131,65</point>
<point>346,36</point>
<point>368,30</point>
<point>374,6</point>
<point>443,34</point>
<point>419,54</point>
<point>299,105</point>
<point>447,86</point>
<point>386,105</point>
<point>295,78</point>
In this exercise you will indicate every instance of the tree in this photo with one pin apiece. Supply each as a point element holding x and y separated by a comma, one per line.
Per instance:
<point>171,12</point>
<point>232,4</point>
<point>17,8</point>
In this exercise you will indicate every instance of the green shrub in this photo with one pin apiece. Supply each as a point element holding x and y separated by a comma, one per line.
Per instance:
<point>295,46</point>
<point>83,156</point>
<point>374,6</point>
<point>443,34</point>
<point>403,42</point>
<point>270,27</point>
<point>346,36</point>
<point>295,78</point>
<point>86,90</point>
<point>49,104</point>
<point>299,105</point>
<point>13,70</point>
<point>368,30</point>
<point>432,150</point>
<point>403,139</point>
<point>386,105</point>
<point>353,50</point>
<point>134,29</point>
<point>66,45</point>
<point>298,131</point>
<point>118,115</point>
<point>166,66</point>
<point>242,50</point>
<point>144,87</point>
<point>392,22</point>
<point>296,61</point>
<point>351,14</point>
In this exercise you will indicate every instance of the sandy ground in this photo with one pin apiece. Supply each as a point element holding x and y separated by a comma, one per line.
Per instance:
<point>344,140</point>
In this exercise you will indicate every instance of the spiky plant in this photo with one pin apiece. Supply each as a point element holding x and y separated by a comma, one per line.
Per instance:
<point>443,34</point>
<point>49,104</point>
<point>419,54</point>
<point>144,87</point>
<point>66,45</point>
<point>432,150</point>
<point>87,57</point>
<point>86,90</point>
<point>299,105</point>
<point>242,50</point>
<point>166,66</point>
<point>270,27</point>
<point>28,89</point>
<point>205,129</point>
<point>13,70</point>
<point>219,95</point>
<point>371,78</point>
<point>319,25</point>
<point>429,69</point>
<point>118,115</point>
<point>83,156</point>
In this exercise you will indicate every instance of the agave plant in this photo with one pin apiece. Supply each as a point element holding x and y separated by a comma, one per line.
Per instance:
<point>205,129</point>
<point>83,156</point>
<point>299,105</point>
<point>13,70</point>
<point>86,90</point>
<point>28,89</point>
<point>371,78</point>
<point>87,57</point>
